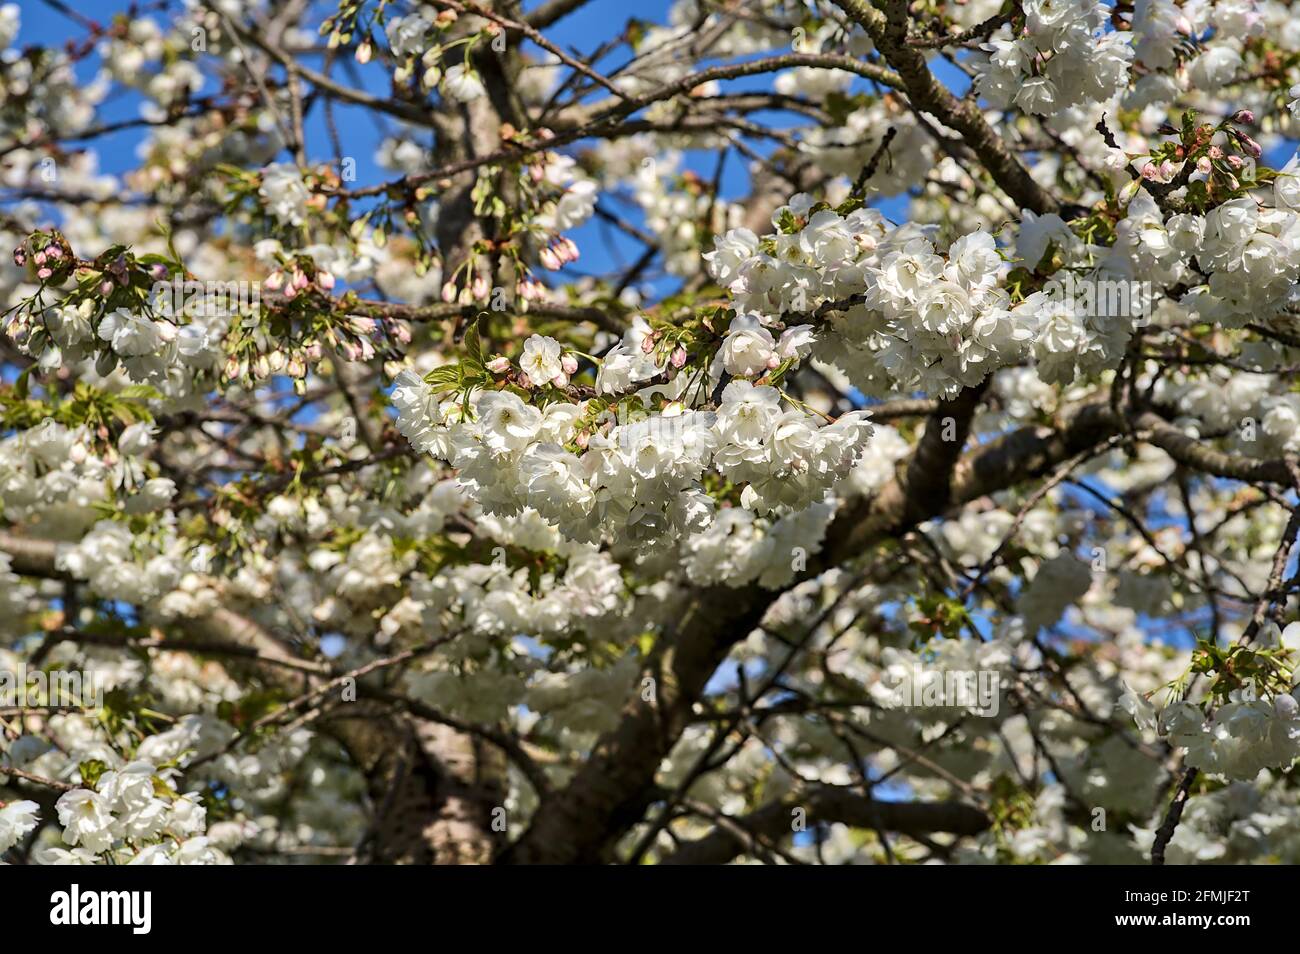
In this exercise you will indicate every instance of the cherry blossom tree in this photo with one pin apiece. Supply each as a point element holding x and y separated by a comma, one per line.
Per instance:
<point>920,487</point>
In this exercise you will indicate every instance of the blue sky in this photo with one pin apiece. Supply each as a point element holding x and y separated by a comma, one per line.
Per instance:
<point>604,248</point>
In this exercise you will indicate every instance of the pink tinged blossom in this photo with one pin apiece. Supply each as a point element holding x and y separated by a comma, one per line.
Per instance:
<point>499,365</point>
<point>569,363</point>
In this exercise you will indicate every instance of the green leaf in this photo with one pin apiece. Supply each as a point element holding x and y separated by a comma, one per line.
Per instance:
<point>92,770</point>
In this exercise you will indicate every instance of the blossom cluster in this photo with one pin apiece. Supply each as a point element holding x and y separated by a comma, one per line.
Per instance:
<point>1062,59</point>
<point>641,478</point>
<point>902,316</point>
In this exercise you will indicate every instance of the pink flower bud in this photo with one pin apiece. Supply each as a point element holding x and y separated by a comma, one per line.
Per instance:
<point>46,273</point>
<point>560,380</point>
<point>647,344</point>
<point>1251,147</point>
<point>569,363</point>
<point>773,361</point>
<point>525,381</point>
<point>274,280</point>
<point>498,365</point>
<point>325,280</point>
<point>300,280</point>
<point>39,258</point>
<point>1203,165</point>
<point>480,287</point>
<point>449,292</point>
<point>679,357</point>
<point>291,292</point>
<point>1244,116</point>
<point>550,259</point>
<point>54,252</point>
